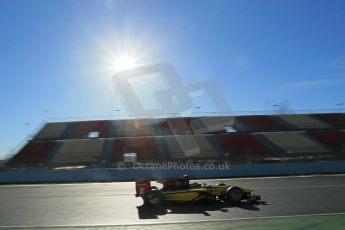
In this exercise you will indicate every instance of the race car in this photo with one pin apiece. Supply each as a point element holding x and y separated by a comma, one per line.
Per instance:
<point>181,190</point>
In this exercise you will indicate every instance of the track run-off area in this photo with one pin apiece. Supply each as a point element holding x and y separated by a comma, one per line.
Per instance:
<point>315,201</point>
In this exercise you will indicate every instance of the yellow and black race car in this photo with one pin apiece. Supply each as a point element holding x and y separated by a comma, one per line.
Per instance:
<point>180,190</point>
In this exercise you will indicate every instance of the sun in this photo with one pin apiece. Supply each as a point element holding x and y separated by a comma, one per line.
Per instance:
<point>124,62</point>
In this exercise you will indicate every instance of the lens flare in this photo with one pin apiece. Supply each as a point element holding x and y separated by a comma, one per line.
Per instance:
<point>124,62</point>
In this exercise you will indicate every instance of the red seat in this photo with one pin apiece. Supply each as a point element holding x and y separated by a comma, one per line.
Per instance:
<point>33,152</point>
<point>241,144</point>
<point>262,123</point>
<point>333,138</point>
<point>337,120</point>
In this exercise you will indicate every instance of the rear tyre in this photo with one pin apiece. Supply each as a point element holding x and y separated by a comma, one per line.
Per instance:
<point>154,197</point>
<point>235,194</point>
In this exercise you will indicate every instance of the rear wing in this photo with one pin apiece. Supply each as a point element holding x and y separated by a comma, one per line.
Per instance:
<point>142,187</point>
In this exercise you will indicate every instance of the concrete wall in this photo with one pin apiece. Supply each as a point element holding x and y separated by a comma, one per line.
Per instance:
<point>93,175</point>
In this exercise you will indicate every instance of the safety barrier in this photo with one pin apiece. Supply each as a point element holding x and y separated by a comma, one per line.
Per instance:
<point>128,174</point>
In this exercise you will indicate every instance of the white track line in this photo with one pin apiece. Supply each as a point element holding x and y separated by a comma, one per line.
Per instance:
<point>303,186</point>
<point>177,222</point>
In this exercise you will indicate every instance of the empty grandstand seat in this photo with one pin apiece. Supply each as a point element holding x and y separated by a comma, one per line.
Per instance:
<point>127,124</point>
<point>190,146</point>
<point>144,147</point>
<point>294,142</point>
<point>163,127</point>
<point>179,125</point>
<point>173,126</point>
<point>211,124</point>
<point>78,151</point>
<point>51,131</point>
<point>337,120</point>
<point>333,138</point>
<point>162,148</point>
<point>260,123</point>
<point>242,144</point>
<point>130,128</point>
<point>303,121</point>
<point>34,152</point>
<point>82,129</point>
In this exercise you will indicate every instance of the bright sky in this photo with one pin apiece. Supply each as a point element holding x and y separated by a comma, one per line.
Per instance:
<point>57,57</point>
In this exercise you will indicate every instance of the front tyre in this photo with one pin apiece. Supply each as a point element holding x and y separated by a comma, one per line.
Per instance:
<point>154,197</point>
<point>235,194</point>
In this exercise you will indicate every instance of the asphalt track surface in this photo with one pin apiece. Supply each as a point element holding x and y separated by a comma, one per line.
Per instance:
<point>103,204</point>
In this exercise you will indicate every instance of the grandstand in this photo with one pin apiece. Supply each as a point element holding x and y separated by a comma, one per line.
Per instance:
<point>302,121</point>
<point>78,151</point>
<point>294,142</point>
<point>52,131</point>
<point>213,138</point>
